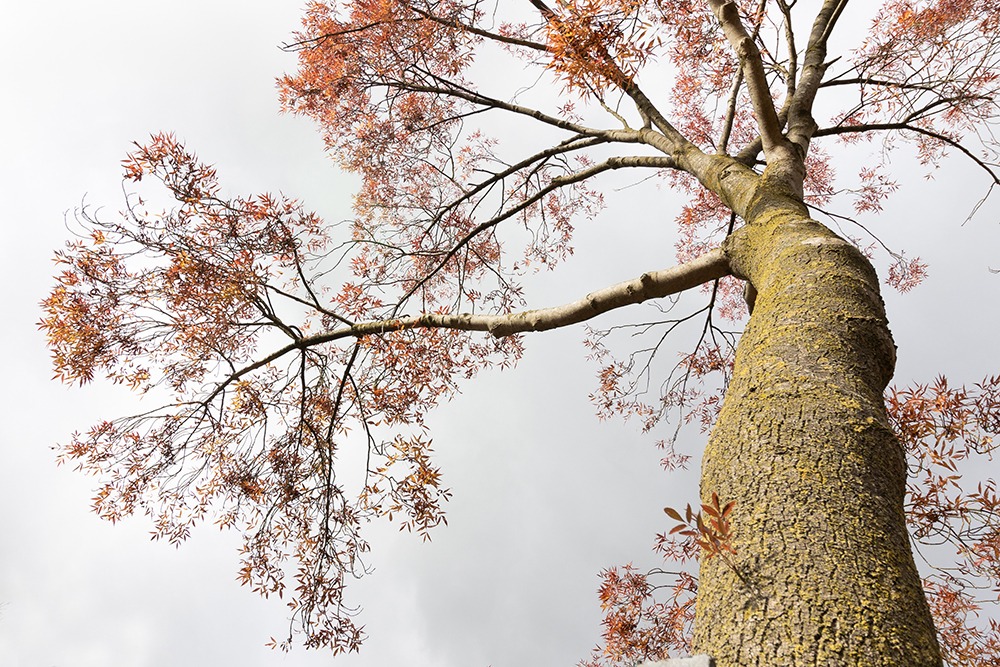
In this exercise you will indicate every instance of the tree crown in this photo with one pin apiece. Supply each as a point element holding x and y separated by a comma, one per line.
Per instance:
<point>235,307</point>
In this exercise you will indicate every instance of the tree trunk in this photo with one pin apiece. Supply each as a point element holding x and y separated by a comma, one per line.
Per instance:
<point>823,572</point>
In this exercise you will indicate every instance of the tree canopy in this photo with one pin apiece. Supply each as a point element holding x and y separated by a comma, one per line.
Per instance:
<point>272,339</point>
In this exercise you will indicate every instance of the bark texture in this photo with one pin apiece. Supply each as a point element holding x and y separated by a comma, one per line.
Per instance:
<point>803,445</point>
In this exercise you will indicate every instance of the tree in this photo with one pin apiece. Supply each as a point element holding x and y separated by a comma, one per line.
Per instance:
<point>230,309</point>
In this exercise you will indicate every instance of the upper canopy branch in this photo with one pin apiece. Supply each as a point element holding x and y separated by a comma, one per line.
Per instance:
<point>611,69</point>
<point>488,34</point>
<point>612,163</point>
<point>752,68</point>
<point>990,168</point>
<point>792,68</point>
<point>801,124</point>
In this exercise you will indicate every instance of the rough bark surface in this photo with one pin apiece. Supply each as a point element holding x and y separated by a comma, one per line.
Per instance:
<point>825,570</point>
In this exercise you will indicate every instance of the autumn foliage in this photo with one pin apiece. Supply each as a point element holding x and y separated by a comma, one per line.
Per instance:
<point>275,342</point>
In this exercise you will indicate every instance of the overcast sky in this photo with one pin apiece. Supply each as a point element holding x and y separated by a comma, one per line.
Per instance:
<point>545,495</point>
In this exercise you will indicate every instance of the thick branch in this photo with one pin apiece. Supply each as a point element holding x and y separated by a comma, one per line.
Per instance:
<point>652,285</point>
<point>748,154</point>
<point>649,110</point>
<point>801,124</point>
<point>656,284</point>
<point>753,72</point>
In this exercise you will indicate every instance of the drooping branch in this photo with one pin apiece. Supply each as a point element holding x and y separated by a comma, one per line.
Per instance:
<point>652,285</point>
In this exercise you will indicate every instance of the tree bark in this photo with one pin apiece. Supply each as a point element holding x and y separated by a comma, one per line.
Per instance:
<point>823,572</point>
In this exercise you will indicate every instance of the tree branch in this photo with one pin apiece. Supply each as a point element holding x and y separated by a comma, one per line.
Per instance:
<point>656,162</point>
<point>722,144</point>
<point>465,27</point>
<point>753,73</point>
<point>801,124</point>
<point>872,81</point>
<point>646,108</point>
<point>793,55</point>
<point>452,89</point>
<point>905,127</point>
<point>727,125</point>
<point>653,285</point>
<point>567,146</point>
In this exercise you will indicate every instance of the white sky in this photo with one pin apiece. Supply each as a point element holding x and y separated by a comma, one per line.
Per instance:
<point>544,494</point>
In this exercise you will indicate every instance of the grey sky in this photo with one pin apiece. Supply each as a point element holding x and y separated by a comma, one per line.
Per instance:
<point>544,494</point>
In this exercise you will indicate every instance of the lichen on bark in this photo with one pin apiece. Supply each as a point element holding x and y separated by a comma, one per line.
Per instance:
<point>804,447</point>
